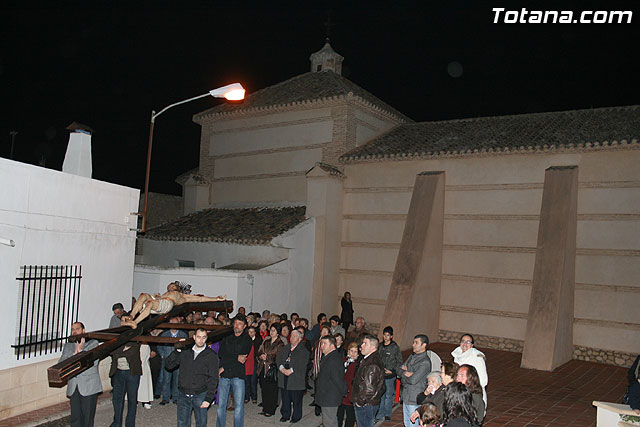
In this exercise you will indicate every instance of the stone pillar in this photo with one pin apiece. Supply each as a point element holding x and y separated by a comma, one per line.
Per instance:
<point>413,304</point>
<point>196,194</point>
<point>548,340</point>
<point>324,204</point>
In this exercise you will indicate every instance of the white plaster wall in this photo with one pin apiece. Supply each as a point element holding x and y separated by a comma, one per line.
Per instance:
<point>196,197</point>
<point>369,126</point>
<point>300,281</point>
<point>492,205</point>
<point>283,189</point>
<point>259,164</point>
<point>61,219</point>
<point>151,280</point>
<point>282,135</point>
<point>284,287</point>
<point>166,253</point>
<point>299,115</point>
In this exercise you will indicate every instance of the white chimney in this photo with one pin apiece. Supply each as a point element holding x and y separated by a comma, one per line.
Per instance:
<point>77,161</point>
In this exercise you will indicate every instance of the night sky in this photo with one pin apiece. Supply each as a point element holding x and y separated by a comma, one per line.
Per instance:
<point>108,64</point>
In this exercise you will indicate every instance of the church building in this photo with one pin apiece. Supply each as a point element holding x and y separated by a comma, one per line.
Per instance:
<point>523,230</point>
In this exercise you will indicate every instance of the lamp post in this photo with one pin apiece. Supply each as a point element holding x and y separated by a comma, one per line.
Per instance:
<point>13,134</point>
<point>232,92</point>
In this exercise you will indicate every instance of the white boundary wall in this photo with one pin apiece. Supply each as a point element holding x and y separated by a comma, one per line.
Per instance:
<point>56,218</point>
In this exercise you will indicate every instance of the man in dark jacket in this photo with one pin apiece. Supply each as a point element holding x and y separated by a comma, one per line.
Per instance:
<point>198,379</point>
<point>292,365</point>
<point>391,360</point>
<point>125,372</point>
<point>233,353</point>
<point>330,385</point>
<point>368,383</point>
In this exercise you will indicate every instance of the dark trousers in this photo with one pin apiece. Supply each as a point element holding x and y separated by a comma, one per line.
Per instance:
<point>269,395</point>
<point>251,387</point>
<point>365,415</point>
<point>83,409</point>
<point>291,397</point>
<point>156,365</point>
<point>188,404</point>
<point>124,383</point>
<point>351,415</point>
<point>346,326</point>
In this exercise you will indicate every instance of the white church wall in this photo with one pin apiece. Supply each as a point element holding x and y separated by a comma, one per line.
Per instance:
<point>369,126</point>
<point>166,253</point>
<point>263,158</point>
<point>56,218</point>
<point>266,119</point>
<point>274,189</point>
<point>289,132</point>
<point>492,204</point>
<point>269,163</point>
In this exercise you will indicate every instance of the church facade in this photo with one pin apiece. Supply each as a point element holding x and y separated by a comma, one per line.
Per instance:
<point>519,229</point>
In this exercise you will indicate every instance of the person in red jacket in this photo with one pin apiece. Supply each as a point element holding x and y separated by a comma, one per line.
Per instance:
<point>350,364</point>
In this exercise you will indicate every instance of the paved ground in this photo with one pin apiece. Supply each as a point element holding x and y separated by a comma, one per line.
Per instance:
<point>516,396</point>
<point>166,416</point>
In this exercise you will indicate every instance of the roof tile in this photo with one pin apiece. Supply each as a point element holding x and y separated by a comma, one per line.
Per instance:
<point>503,133</point>
<point>304,87</point>
<point>253,226</point>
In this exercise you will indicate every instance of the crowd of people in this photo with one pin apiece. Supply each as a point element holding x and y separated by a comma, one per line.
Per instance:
<point>276,359</point>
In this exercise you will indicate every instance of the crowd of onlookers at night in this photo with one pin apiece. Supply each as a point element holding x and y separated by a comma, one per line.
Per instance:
<point>273,360</point>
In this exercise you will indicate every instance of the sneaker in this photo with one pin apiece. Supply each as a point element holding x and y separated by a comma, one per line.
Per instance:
<point>164,402</point>
<point>387,418</point>
<point>146,405</point>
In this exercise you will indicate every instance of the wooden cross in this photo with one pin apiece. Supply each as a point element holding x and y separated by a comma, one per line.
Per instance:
<point>113,338</point>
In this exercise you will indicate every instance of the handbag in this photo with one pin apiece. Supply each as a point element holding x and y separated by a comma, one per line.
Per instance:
<point>271,376</point>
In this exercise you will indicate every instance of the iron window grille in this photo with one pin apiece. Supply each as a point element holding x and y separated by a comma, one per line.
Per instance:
<point>49,298</point>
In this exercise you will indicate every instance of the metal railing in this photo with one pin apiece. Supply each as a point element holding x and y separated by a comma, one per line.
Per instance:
<point>49,299</point>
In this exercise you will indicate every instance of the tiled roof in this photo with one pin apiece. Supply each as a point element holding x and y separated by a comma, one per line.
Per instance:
<point>330,169</point>
<point>183,177</point>
<point>305,87</point>
<point>525,132</point>
<point>250,226</point>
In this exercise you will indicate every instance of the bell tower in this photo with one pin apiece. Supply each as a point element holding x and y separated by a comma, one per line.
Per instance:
<point>326,59</point>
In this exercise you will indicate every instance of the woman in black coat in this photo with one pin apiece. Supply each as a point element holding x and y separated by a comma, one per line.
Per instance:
<point>346,316</point>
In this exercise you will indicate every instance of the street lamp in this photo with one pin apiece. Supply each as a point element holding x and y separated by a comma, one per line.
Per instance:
<point>232,92</point>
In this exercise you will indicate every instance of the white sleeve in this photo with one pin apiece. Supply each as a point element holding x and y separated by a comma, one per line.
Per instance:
<point>481,367</point>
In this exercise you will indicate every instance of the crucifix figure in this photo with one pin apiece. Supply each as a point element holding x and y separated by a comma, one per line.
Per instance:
<point>161,304</point>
